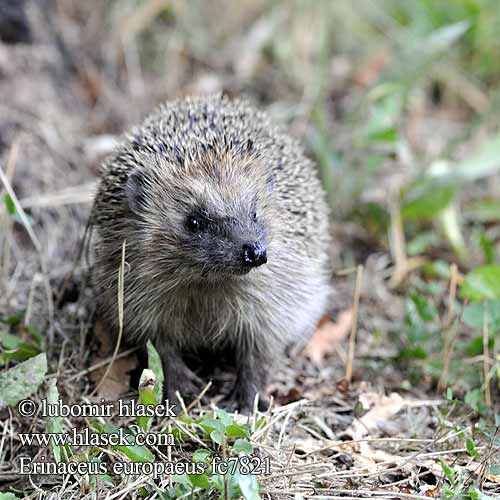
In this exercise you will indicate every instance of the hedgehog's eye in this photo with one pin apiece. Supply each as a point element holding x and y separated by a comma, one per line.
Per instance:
<point>254,216</point>
<point>194,223</point>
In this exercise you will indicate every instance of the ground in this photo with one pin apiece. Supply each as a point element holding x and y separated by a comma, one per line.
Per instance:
<point>397,393</point>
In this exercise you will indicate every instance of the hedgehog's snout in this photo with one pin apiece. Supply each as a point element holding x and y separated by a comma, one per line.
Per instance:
<point>253,254</point>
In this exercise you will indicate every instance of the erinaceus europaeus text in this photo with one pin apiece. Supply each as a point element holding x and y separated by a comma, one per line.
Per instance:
<point>226,230</point>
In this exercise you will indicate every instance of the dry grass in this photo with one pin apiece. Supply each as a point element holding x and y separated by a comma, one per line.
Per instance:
<point>371,431</point>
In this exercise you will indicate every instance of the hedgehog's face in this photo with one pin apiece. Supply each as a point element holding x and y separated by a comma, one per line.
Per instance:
<point>224,243</point>
<point>205,226</point>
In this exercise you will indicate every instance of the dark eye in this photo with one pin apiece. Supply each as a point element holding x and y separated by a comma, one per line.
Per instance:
<point>254,215</point>
<point>194,223</point>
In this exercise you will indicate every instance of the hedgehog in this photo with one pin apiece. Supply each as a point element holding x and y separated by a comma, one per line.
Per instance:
<point>226,228</point>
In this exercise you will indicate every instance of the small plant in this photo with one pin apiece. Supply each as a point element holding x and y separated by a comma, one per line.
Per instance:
<point>231,468</point>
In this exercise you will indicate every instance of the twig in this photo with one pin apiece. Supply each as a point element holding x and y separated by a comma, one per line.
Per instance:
<point>354,325</point>
<point>340,494</point>
<point>21,212</point>
<point>447,327</point>
<point>181,401</point>
<point>140,18</point>
<point>280,412</point>
<point>38,248</point>
<point>198,398</point>
<point>397,243</point>
<point>468,90</point>
<point>121,279</point>
<point>283,427</point>
<point>486,355</point>
<point>69,196</point>
<point>100,364</point>
<point>489,454</point>
<point>452,293</point>
<point>4,217</point>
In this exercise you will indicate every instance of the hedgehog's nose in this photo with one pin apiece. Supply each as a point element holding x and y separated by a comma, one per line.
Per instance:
<point>254,254</point>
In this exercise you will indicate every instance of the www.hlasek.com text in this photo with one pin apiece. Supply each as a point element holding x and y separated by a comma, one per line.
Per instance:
<point>88,437</point>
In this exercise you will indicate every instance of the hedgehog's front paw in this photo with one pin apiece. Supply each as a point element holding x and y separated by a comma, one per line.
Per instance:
<point>187,389</point>
<point>179,378</point>
<point>243,397</point>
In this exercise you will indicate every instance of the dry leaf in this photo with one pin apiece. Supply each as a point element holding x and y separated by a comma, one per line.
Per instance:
<point>369,72</point>
<point>307,445</point>
<point>383,408</point>
<point>101,333</point>
<point>327,337</point>
<point>117,382</point>
<point>431,491</point>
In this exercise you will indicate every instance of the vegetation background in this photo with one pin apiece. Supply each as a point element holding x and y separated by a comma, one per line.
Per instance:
<point>399,105</point>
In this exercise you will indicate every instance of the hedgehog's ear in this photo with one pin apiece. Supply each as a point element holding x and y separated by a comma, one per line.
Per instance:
<point>135,189</point>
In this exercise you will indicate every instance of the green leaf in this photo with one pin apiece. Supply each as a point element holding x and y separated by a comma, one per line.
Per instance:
<point>242,446</point>
<point>13,320</point>
<point>484,162</point>
<point>235,430</point>
<point>136,453</point>
<point>199,481</point>
<point>450,221</point>
<point>210,424</point>
<point>22,380</point>
<point>217,437</point>
<point>437,268</point>
<point>474,398</point>
<point>147,396</point>
<point>445,36</point>
<point>54,425</point>
<point>14,349</point>
<point>184,419</point>
<point>425,310</point>
<point>9,203</point>
<point>471,448</point>
<point>182,479</point>
<point>390,134</point>
<point>229,488</point>
<point>224,417</point>
<point>475,346</point>
<point>426,200</point>
<point>147,385</point>
<point>449,394</point>
<point>373,217</point>
<point>494,469</point>
<point>155,364</point>
<point>473,315</point>
<point>476,494</point>
<point>385,111</point>
<point>421,242</point>
<point>484,211</point>
<point>11,209</point>
<point>260,423</point>
<point>488,248</point>
<point>201,455</point>
<point>448,472</point>
<point>9,341</point>
<point>105,478</point>
<point>8,496</point>
<point>248,486</point>
<point>413,353</point>
<point>483,283</point>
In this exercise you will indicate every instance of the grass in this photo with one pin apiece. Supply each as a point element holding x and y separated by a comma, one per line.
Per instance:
<point>398,104</point>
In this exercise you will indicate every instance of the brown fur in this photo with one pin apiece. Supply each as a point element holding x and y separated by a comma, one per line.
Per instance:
<point>189,291</point>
